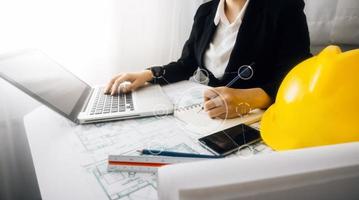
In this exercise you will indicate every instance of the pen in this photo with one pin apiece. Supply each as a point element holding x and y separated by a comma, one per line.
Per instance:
<point>228,85</point>
<point>247,68</point>
<point>175,154</point>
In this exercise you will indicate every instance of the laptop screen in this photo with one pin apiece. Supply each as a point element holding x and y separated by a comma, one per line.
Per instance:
<point>42,78</point>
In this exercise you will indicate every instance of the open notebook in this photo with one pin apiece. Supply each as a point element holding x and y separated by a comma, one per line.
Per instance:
<point>198,121</point>
<point>188,110</point>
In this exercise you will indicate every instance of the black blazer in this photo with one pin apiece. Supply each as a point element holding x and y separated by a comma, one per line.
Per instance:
<point>273,35</point>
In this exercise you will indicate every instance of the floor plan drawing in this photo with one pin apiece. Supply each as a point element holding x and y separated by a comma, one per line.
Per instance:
<point>130,185</point>
<point>126,185</point>
<point>96,141</point>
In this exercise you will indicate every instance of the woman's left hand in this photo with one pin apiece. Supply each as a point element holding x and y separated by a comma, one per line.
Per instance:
<point>224,102</point>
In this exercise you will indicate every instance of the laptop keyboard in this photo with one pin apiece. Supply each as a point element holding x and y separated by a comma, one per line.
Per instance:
<point>105,104</point>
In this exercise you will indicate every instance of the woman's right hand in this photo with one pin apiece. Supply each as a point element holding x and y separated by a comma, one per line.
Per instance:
<point>135,79</point>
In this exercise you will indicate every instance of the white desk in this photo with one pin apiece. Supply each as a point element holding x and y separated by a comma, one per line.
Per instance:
<point>70,160</point>
<point>70,163</point>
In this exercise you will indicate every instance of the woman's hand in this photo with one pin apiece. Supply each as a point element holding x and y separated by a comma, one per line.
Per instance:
<point>224,102</point>
<point>136,79</point>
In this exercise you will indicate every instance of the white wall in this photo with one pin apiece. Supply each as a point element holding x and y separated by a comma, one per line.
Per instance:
<point>97,38</point>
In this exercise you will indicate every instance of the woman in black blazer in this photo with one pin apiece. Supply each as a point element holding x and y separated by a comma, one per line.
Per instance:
<point>272,37</point>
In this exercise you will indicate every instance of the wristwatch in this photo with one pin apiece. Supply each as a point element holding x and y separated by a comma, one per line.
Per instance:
<point>157,72</point>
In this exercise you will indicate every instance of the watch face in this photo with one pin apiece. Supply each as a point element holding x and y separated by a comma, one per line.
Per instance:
<point>158,72</point>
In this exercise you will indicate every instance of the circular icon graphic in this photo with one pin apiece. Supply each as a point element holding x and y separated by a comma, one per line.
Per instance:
<point>155,147</point>
<point>245,72</point>
<point>245,151</point>
<point>160,111</point>
<point>201,76</point>
<point>243,109</point>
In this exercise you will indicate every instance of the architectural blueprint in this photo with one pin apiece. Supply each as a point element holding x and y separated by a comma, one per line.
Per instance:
<point>85,149</point>
<point>96,142</point>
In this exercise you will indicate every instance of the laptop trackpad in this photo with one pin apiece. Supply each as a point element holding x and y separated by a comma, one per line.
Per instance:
<point>152,99</point>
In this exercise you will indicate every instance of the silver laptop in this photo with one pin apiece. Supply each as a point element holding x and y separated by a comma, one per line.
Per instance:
<point>42,78</point>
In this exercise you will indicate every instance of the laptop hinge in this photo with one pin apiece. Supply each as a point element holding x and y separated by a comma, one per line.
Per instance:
<point>87,100</point>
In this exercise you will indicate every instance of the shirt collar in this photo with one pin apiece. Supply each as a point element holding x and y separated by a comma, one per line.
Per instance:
<point>221,16</point>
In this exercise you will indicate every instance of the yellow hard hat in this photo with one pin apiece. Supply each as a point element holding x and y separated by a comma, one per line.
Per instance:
<point>317,103</point>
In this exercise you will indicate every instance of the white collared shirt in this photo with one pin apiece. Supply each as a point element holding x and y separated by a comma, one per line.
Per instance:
<point>217,56</point>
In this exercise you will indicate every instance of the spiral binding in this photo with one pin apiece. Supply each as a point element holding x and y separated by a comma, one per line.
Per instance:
<point>186,108</point>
